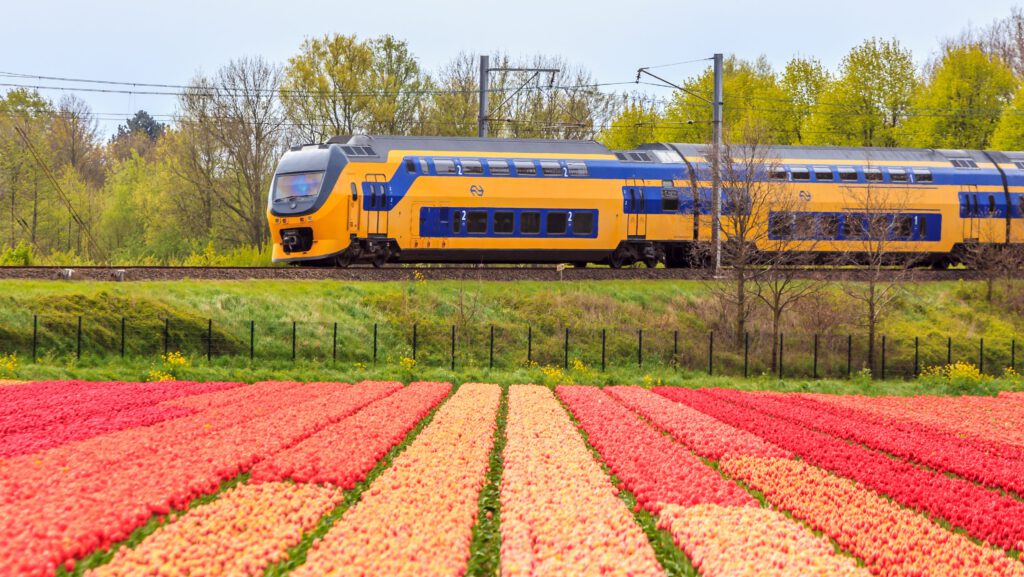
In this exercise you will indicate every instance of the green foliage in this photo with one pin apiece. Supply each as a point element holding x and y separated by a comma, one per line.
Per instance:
<point>635,125</point>
<point>20,255</point>
<point>1009,132</point>
<point>959,106</point>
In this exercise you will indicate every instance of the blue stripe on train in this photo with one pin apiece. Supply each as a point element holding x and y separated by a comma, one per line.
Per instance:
<point>454,222</point>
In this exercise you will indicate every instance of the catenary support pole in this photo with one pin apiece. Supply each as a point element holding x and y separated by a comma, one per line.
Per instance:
<point>716,144</point>
<point>484,73</point>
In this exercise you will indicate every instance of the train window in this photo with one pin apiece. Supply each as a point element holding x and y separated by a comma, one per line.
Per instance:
<point>823,173</point>
<point>804,225</point>
<point>504,222</point>
<point>476,222</point>
<point>550,168</point>
<point>444,166</point>
<point>777,174</point>
<point>781,225</point>
<point>669,200</point>
<point>873,174</point>
<point>410,165</point>
<point>457,217</point>
<point>922,175</point>
<point>829,226</point>
<point>424,168</point>
<point>498,167</point>
<point>576,168</point>
<point>903,227</point>
<point>529,223</point>
<point>557,222</point>
<point>355,194</point>
<point>898,174</point>
<point>525,168</point>
<point>853,227</point>
<point>964,163</point>
<point>800,173</point>
<point>879,226</point>
<point>922,228</point>
<point>847,173</point>
<point>472,167</point>
<point>582,223</point>
<point>1020,204</point>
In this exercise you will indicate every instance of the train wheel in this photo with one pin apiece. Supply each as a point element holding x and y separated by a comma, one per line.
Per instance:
<point>616,260</point>
<point>651,262</point>
<point>381,258</point>
<point>579,265</point>
<point>343,260</point>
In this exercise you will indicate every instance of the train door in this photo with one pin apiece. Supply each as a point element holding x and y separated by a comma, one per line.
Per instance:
<point>375,205</point>
<point>633,205</point>
<point>970,211</point>
<point>354,209</point>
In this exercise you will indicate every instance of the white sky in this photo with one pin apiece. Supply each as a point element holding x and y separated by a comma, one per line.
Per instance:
<point>160,41</point>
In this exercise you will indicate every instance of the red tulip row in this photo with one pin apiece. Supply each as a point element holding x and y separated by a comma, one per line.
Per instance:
<point>940,452</point>
<point>559,511</point>
<point>891,540</point>
<point>985,514</point>
<point>343,453</point>
<point>707,436</point>
<point>748,541</point>
<point>120,480</point>
<point>49,414</point>
<point>243,531</point>
<point>417,518</point>
<point>653,467</point>
<point>995,425</point>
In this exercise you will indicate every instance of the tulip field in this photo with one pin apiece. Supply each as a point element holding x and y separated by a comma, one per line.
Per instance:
<point>385,478</point>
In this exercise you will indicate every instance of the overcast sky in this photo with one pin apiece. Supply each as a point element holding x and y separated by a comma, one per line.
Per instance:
<point>157,41</point>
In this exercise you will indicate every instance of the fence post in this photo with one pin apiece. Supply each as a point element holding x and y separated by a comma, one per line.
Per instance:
<point>917,358</point>
<point>746,355</point>
<point>35,337</point>
<point>334,343</point>
<point>492,347</point>
<point>815,355</point>
<point>78,339</point>
<point>375,344</point>
<point>849,356</point>
<point>122,337</point>
<point>209,340</point>
<point>675,347</point>
<point>1013,355</point>
<point>640,347</point>
<point>414,339</point>
<point>529,344</point>
<point>294,344</point>
<point>252,340</point>
<point>453,347</point>
<point>949,350</point>
<point>782,343</point>
<point>711,352</point>
<point>883,357</point>
<point>981,355</point>
<point>566,354</point>
<point>603,337</point>
<point>167,330</point>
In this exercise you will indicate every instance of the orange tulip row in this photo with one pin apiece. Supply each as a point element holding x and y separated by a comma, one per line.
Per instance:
<point>891,540</point>
<point>748,541</point>
<point>246,529</point>
<point>131,475</point>
<point>417,518</point>
<point>559,511</point>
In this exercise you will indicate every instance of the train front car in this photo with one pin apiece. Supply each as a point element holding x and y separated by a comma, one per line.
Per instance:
<point>304,210</point>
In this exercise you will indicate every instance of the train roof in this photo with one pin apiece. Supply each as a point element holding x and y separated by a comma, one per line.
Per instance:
<point>860,154</point>
<point>383,144</point>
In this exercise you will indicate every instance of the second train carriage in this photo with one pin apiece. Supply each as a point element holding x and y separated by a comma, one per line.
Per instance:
<point>471,200</point>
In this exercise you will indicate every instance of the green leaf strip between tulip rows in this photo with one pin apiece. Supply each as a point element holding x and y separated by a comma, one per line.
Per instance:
<point>672,559</point>
<point>485,550</point>
<point>104,556</point>
<point>296,554</point>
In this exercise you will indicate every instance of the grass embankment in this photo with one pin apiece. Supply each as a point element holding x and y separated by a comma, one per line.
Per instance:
<point>681,321</point>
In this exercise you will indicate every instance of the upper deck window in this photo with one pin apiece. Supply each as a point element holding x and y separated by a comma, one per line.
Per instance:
<point>550,167</point>
<point>498,167</point>
<point>525,168</point>
<point>778,173</point>
<point>847,173</point>
<point>576,169</point>
<point>444,166</point>
<point>472,167</point>
<point>800,173</point>
<point>898,175</point>
<point>872,173</point>
<point>823,173</point>
<point>922,175</point>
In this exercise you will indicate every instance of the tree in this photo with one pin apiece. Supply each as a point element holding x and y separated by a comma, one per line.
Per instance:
<point>397,82</point>
<point>869,101</point>
<point>1002,39</point>
<point>453,108</point>
<point>959,105</point>
<point>803,81</point>
<point>75,134</point>
<point>1009,131</point>
<point>635,125</point>
<point>140,133</point>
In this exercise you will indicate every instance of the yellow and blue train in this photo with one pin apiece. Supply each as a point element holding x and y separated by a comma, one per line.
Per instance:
<point>471,200</point>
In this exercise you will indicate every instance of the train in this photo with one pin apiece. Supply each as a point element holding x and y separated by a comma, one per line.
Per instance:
<point>401,199</point>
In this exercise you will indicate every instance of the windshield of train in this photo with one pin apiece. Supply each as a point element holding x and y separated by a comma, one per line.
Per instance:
<point>298,185</point>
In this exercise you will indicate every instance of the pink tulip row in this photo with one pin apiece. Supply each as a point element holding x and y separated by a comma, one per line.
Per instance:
<point>748,541</point>
<point>985,514</point>
<point>559,511</point>
<point>131,475</point>
<point>891,540</point>
<point>653,467</point>
<point>940,452</point>
<point>343,453</point>
<point>707,436</point>
<point>993,424</point>
<point>417,518</point>
<point>248,528</point>
<point>37,416</point>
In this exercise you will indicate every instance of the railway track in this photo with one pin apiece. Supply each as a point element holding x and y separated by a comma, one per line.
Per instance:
<point>425,272</point>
